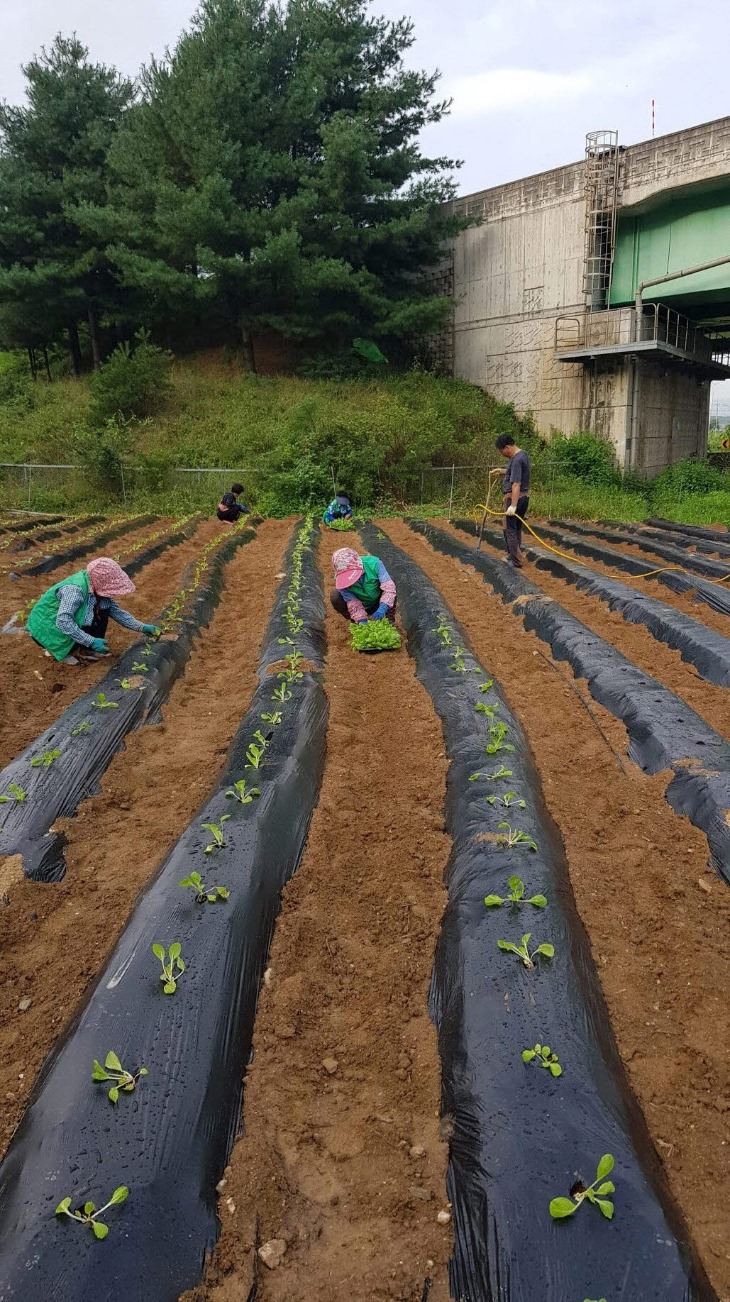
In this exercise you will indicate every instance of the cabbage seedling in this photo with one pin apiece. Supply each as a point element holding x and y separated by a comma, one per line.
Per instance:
<point>115,1072</point>
<point>509,800</point>
<point>260,739</point>
<point>216,832</point>
<point>545,1057</point>
<point>510,838</point>
<point>458,663</point>
<point>501,772</point>
<point>522,951</point>
<point>45,760</point>
<point>87,1215</point>
<point>238,792</point>
<point>516,896</point>
<point>489,710</point>
<point>205,894</point>
<point>140,667</point>
<point>497,734</point>
<point>14,793</point>
<point>254,756</point>
<point>172,965</point>
<point>101,703</point>
<point>81,727</point>
<point>275,717</point>
<point>486,687</point>
<point>561,1208</point>
<point>281,693</point>
<point>443,631</point>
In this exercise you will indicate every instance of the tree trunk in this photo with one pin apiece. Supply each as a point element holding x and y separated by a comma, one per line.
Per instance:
<point>47,364</point>
<point>74,347</point>
<point>249,357</point>
<point>31,363</point>
<point>94,336</point>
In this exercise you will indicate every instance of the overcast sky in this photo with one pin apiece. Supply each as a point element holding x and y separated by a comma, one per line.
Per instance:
<point>528,77</point>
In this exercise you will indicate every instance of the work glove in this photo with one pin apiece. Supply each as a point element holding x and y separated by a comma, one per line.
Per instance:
<point>151,630</point>
<point>380,613</point>
<point>361,621</point>
<point>511,510</point>
<point>99,646</point>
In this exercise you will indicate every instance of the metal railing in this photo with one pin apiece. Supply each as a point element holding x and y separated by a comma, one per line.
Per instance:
<point>658,324</point>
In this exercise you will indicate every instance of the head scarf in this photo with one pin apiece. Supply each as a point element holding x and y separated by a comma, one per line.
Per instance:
<point>348,567</point>
<point>107,578</point>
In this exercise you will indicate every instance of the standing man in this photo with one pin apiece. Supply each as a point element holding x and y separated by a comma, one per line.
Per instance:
<point>516,490</point>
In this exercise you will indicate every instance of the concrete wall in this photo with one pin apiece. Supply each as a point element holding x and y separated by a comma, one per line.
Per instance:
<point>522,268</point>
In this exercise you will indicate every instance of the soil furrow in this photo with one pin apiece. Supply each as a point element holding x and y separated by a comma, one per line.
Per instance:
<point>47,687</point>
<point>149,794</point>
<point>341,1157</point>
<point>653,911</point>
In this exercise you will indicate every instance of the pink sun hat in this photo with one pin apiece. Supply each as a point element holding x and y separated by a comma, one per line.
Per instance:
<point>107,578</point>
<point>348,567</point>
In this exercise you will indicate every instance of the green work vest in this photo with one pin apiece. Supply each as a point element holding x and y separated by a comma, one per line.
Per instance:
<point>367,589</point>
<point>41,622</point>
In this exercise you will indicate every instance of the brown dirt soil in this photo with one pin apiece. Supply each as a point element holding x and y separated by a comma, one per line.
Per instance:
<point>149,793</point>
<point>634,641</point>
<point>34,690</point>
<point>345,1081</point>
<point>658,919</point>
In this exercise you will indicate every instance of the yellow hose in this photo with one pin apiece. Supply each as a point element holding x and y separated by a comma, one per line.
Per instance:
<point>646,574</point>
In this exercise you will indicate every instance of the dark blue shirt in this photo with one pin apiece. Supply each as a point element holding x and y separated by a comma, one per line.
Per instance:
<point>518,472</point>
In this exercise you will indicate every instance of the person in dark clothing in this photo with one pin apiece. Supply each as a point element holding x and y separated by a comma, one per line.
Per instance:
<point>229,508</point>
<point>340,508</point>
<point>516,491</point>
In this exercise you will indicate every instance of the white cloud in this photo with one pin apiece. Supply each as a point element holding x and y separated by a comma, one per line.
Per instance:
<point>508,88</point>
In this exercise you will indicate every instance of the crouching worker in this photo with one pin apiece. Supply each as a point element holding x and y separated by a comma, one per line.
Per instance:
<point>363,587</point>
<point>340,508</point>
<point>70,620</point>
<point>229,508</point>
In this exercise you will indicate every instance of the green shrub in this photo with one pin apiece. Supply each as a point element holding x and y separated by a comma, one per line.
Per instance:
<point>586,457</point>
<point>695,475</point>
<point>132,383</point>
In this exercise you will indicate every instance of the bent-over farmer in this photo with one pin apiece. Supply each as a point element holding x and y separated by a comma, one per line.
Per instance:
<point>70,620</point>
<point>363,587</point>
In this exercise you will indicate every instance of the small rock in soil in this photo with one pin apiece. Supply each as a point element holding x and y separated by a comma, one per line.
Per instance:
<point>443,1217</point>
<point>220,1185</point>
<point>24,1005</point>
<point>704,886</point>
<point>423,1195</point>
<point>272,1253</point>
<point>417,1151</point>
<point>230,1205</point>
<point>330,1065</point>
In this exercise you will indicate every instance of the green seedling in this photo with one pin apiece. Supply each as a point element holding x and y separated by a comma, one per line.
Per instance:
<point>81,728</point>
<point>511,839</point>
<point>45,760</point>
<point>126,683</point>
<point>147,650</point>
<point>376,635</point>
<point>510,800</point>
<point>275,717</point>
<point>343,526</point>
<point>458,662</point>
<point>15,793</point>
<point>88,1214</point>
<point>205,894</point>
<point>238,792</point>
<point>486,687</point>
<point>115,1072</point>
<point>281,694</point>
<point>489,710</point>
<point>101,703</point>
<point>516,896</point>
<point>216,831</point>
<point>254,755</point>
<point>260,739</point>
<point>140,667</point>
<point>522,950</point>
<point>285,641</point>
<point>589,1299</point>
<point>443,631</point>
<point>497,734</point>
<point>172,965</point>
<point>545,1057</point>
<point>501,772</point>
<point>561,1208</point>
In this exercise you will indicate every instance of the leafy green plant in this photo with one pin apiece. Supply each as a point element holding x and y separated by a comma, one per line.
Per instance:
<point>45,760</point>
<point>511,839</point>
<point>497,734</point>
<point>522,950</point>
<point>260,739</point>
<point>148,649</point>
<point>376,635</point>
<point>562,1208</point>
<point>238,792</point>
<point>342,526</point>
<point>205,894</point>
<point>216,831</point>
<point>101,703</point>
<point>127,684</point>
<point>15,793</point>
<point>545,1057</point>
<point>486,687</point>
<point>115,1072</point>
<point>458,664</point>
<point>510,800</point>
<point>281,693</point>
<point>516,896</point>
<point>274,717</point>
<point>140,667</point>
<point>254,755</point>
<point>443,631</point>
<point>172,965</point>
<point>80,728</point>
<point>499,773</point>
<point>489,710</point>
<point>88,1214</point>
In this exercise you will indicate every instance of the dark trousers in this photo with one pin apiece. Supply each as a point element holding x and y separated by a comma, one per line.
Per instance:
<point>340,605</point>
<point>513,531</point>
<point>231,514</point>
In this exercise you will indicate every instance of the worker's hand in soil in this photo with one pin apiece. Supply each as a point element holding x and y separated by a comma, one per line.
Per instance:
<point>150,630</point>
<point>380,613</point>
<point>100,646</point>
